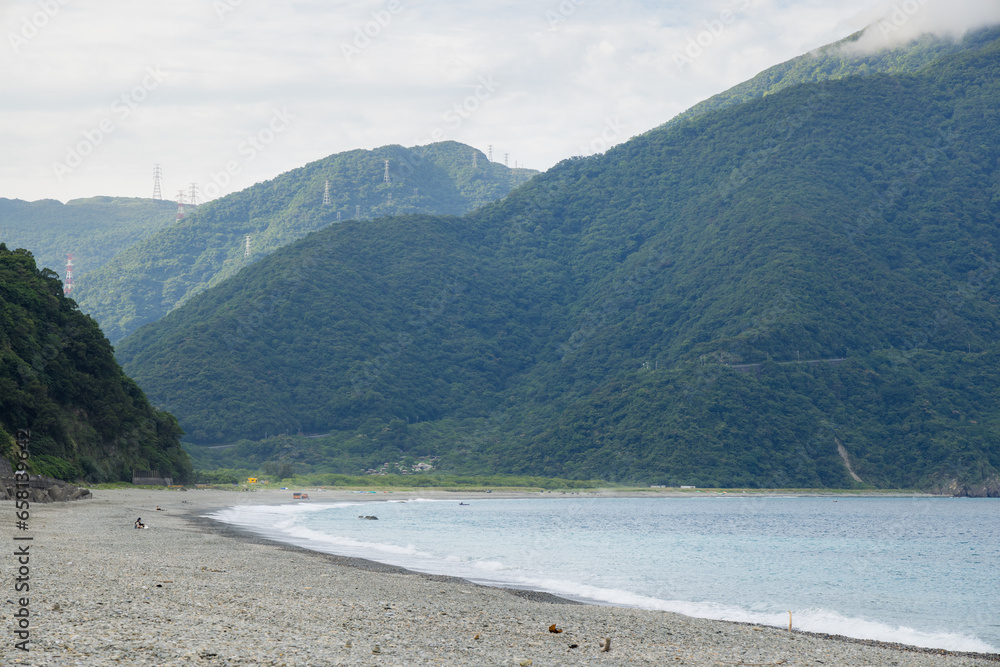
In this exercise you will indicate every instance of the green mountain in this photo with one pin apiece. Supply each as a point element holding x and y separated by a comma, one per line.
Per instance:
<point>800,290</point>
<point>837,61</point>
<point>156,275</point>
<point>59,380</point>
<point>93,230</point>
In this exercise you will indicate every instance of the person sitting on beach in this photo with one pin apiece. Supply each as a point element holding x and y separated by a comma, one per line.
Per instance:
<point>160,509</point>
<point>139,523</point>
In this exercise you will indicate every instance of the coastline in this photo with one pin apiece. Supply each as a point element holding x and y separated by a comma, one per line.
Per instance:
<point>195,591</point>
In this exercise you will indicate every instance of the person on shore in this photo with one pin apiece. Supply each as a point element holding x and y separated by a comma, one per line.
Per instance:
<point>139,523</point>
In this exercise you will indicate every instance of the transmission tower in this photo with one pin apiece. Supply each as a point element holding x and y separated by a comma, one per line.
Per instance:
<point>246,248</point>
<point>386,178</point>
<point>475,160</point>
<point>505,156</point>
<point>326,195</point>
<point>357,211</point>
<point>157,175</point>
<point>180,205</point>
<point>68,283</point>
<point>194,194</point>
<point>489,155</point>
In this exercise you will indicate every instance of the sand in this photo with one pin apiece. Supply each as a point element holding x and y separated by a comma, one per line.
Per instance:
<point>189,592</point>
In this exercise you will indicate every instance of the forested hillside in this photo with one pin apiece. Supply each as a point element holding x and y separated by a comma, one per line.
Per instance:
<point>648,315</point>
<point>837,61</point>
<point>59,380</point>
<point>93,230</point>
<point>156,275</point>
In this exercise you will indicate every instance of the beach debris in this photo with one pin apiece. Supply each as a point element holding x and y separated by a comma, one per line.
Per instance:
<point>369,517</point>
<point>376,649</point>
<point>574,645</point>
<point>606,645</point>
<point>477,636</point>
<point>348,645</point>
<point>789,621</point>
<point>56,607</point>
<point>554,630</point>
<point>525,663</point>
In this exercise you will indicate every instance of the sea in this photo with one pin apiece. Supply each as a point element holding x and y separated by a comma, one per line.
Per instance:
<point>919,571</point>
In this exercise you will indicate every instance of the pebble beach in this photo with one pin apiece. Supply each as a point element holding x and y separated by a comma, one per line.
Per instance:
<point>189,591</point>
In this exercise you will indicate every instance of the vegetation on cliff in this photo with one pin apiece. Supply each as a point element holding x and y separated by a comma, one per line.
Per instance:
<point>60,381</point>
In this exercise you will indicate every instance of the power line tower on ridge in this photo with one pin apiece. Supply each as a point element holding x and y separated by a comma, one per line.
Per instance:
<point>194,194</point>
<point>180,205</point>
<point>326,195</point>
<point>386,178</point>
<point>68,283</point>
<point>157,176</point>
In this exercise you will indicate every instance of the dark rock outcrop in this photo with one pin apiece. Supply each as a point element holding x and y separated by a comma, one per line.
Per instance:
<point>42,489</point>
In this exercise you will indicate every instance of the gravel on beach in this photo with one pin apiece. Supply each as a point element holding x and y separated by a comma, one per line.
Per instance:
<point>190,592</point>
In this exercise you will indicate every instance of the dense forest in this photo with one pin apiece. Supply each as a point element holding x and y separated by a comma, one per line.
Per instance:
<point>798,290</point>
<point>94,230</point>
<point>163,271</point>
<point>837,61</point>
<point>60,381</point>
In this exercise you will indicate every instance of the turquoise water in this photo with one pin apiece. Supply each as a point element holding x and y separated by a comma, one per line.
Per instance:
<point>921,571</point>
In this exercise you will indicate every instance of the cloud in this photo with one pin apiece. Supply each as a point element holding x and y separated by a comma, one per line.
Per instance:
<point>591,77</point>
<point>896,23</point>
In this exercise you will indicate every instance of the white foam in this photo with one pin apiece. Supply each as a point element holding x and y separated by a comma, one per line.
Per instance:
<point>280,522</point>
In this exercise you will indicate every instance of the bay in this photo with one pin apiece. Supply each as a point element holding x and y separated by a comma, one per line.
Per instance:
<point>920,571</point>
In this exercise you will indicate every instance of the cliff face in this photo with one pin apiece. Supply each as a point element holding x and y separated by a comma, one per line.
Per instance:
<point>989,488</point>
<point>82,417</point>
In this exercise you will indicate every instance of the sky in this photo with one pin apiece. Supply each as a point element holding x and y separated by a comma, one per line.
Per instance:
<point>227,93</point>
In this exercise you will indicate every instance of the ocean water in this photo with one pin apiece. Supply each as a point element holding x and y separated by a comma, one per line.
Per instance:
<point>921,571</point>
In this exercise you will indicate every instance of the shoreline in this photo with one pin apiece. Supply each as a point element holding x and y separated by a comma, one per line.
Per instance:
<point>245,534</point>
<point>192,590</point>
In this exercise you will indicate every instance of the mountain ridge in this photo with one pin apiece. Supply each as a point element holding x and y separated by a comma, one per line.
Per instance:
<point>161,272</point>
<point>843,219</point>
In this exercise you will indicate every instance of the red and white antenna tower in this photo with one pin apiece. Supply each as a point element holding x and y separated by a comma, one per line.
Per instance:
<point>68,283</point>
<point>180,205</point>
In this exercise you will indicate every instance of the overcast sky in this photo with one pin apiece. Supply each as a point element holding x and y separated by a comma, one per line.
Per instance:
<point>93,93</point>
